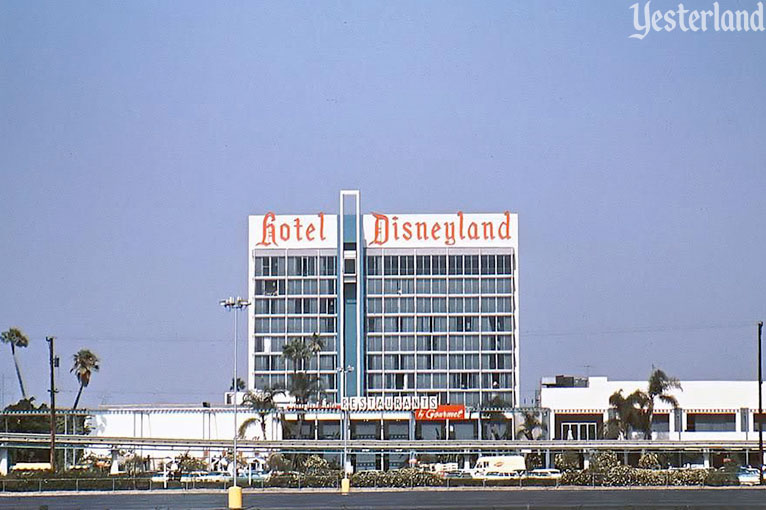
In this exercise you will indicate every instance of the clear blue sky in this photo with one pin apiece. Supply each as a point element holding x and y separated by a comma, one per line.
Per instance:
<point>136,137</point>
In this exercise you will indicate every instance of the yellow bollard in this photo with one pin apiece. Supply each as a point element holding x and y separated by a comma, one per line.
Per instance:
<point>345,486</point>
<point>235,498</point>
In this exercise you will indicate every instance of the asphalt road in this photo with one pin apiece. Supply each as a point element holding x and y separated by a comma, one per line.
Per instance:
<point>454,499</point>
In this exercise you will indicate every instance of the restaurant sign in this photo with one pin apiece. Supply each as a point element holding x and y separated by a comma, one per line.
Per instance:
<point>445,412</point>
<point>388,403</point>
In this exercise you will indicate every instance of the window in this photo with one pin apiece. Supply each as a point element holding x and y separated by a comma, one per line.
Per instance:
<point>327,305</point>
<point>424,286</point>
<point>504,264</point>
<point>424,264</point>
<point>439,264</point>
<point>373,265</point>
<point>407,265</point>
<point>699,422</point>
<point>349,266</point>
<point>374,305</point>
<point>301,266</point>
<point>488,286</point>
<point>327,266</point>
<point>456,264</point>
<point>488,264</point>
<point>374,325</point>
<point>327,287</point>
<point>375,343</point>
<point>471,264</point>
<point>390,265</point>
<point>327,325</point>
<point>374,286</point>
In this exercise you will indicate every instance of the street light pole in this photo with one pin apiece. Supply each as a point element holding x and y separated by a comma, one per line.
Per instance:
<point>346,422</point>
<point>52,360</point>
<point>236,305</point>
<point>760,404</point>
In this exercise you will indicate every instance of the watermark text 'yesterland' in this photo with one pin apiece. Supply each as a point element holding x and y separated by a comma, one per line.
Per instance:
<point>646,19</point>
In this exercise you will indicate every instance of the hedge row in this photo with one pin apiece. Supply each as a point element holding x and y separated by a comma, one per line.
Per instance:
<point>619,476</point>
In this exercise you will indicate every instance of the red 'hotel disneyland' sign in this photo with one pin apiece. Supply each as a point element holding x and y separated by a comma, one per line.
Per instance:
<point>443,412</point>
<point>387,230</point>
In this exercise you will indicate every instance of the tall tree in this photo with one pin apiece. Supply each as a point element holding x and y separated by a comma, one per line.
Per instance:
<point>15,338</point>
<point>531,427</point>
<point>85,363</point>
<point>297,352</point>
<point>302,385</point>
<point>660,385</point>
<point>262,402</point>
<point>628,413</point>
<point>240,384</point>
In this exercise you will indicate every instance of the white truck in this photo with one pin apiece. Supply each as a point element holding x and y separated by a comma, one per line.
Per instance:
<point>504,466</point>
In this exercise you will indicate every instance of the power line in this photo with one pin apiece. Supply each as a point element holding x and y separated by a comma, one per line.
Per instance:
<point>633,330</point>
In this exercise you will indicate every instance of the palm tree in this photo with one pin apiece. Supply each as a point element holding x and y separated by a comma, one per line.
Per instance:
<point>85,363</point>
<point>240,384</point>
<point>531,427</point>
<point>262,402</point>
<point>628,413</point>
<point>298,352</point>
<point>15,338</point>
<point>660,385</point>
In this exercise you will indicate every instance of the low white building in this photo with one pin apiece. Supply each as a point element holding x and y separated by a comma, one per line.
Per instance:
<point>578,408</point>
<point>178,422</point>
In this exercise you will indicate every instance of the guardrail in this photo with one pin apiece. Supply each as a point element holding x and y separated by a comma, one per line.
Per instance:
<point>22,440</point>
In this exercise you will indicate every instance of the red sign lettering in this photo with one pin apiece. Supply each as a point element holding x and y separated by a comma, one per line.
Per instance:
<point>443,412</point>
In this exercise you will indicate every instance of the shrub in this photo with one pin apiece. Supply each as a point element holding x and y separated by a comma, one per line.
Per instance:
<point>649,460</point>
<point>603,462</point>
<point>567,461</point>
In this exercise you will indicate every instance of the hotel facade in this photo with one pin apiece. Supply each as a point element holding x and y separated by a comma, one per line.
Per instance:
<point>406,305</point>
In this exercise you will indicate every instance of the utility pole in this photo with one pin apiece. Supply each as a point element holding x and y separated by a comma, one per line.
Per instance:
<point>50,340</point>
<point>760,405</point>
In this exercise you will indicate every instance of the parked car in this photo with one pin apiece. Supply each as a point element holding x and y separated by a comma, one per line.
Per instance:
<point>215,477</point>
<point>748,476</point>
<point>457,475</point>
<point>161,477</point>
<point>193,476</point>
<point>500,475</point>
<point>544,474</point>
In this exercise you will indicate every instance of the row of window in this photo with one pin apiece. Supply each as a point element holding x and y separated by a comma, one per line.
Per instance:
<point>295,266</point>
<point>280,306</point>
<point>392,265</point>
<point>275,344</point>
<point>439,305</point>
<point>327,382</point>
<point>454,381</point>
<point>439,362</point>
<point>264,362</point>
<point>409,324</point>
<point>295,287</point>
<point>440,286</point>
<point>439,343</point>
<point>295,325</point>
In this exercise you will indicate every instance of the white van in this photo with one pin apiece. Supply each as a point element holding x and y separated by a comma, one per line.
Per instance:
<point>501,466</point>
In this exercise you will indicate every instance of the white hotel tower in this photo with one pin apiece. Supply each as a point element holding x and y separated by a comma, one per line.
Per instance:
<point>414,304</point>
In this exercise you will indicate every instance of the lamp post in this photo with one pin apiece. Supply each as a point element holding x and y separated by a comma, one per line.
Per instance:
<point>760,405</point>
<point>346,425</point>
<point>236,305</point>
